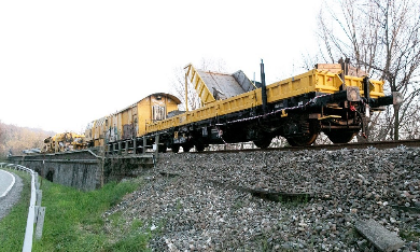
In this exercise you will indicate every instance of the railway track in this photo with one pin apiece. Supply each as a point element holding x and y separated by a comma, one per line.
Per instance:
<point>274,194</point>
<point>359,145</point>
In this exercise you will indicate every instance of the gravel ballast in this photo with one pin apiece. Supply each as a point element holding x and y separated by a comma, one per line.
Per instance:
<point>194,214</point>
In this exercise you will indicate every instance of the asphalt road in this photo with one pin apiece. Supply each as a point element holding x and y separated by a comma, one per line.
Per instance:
<point>12,197</point>
<point>7,181</point>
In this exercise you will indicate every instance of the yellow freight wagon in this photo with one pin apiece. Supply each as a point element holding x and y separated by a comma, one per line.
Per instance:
<point>320,81</point>
<point>131,122</point>
<point>298,108</point>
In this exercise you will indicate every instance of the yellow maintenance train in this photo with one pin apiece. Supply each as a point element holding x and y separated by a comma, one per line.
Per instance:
<point>329,98</point>
<point>130,123</point>
<point>62,142</point>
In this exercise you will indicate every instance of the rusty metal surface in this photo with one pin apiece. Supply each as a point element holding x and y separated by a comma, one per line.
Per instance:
<point>129,131</point>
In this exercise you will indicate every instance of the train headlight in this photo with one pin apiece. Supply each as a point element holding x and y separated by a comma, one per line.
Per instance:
<point>353,94</point>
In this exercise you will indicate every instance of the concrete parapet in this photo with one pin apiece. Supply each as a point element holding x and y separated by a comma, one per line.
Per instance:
<point>84,169</point>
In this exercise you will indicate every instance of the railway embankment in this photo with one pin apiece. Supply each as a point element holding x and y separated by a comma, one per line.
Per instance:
<point>199,205</point>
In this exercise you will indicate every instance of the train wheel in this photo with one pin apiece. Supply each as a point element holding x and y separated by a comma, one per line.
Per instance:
<point>311,130</point>
<point>175,148</point>
<point>302,140</point>
<point>340,136</point>
<point>263,143</point>
<point>199,147</point>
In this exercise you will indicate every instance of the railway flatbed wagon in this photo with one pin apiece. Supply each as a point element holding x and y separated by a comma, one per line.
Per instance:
<point>298,108</point>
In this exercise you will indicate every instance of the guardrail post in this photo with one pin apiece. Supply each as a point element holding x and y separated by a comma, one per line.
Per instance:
<point>38,203</point>
<point>40,224</point>
<point>144,144</point>
<point>37,183</point>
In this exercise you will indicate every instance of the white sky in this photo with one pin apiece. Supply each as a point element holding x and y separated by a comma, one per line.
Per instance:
<point>66,63</point>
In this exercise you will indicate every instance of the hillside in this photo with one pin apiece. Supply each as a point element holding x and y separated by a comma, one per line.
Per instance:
<point>14,139</point>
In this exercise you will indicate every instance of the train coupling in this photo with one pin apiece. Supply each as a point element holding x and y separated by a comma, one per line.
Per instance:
<point>395,99</point>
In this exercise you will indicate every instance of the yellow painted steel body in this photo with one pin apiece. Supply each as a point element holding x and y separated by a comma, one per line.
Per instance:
<point>202,90</point>
<point>64,141</point>
<point>132,121</point>
<point>214,109</point>
<point>318,81</point>
<point>67,135</point>
<point>312,81</point>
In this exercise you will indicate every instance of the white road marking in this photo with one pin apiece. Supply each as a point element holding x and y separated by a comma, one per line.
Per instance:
<point>10,186</point>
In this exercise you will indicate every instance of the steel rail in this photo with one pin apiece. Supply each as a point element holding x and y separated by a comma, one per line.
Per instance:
<point>359,145</point>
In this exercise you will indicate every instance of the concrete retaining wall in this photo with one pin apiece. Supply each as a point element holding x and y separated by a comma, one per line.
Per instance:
<point>83,169</point>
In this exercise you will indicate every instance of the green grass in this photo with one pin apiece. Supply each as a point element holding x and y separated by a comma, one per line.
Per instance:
<point>13,226</point>
<point>74,222</point>
<point>293,201</point>
<point>409,234</point>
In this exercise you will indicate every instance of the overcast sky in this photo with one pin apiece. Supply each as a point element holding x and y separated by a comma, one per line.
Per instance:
<point>66,63</point>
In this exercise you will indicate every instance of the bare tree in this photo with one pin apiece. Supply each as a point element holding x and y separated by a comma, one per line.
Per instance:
<point>16,139</point>
<point>381,37</point>
<point>178,85</point>
<point>308,61</point>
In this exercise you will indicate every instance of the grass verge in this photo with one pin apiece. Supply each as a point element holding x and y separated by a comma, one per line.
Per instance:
<point>13,226</point>
<point>73,220</point>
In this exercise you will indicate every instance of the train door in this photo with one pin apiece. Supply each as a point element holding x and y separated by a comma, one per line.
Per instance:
<point>158,113</point>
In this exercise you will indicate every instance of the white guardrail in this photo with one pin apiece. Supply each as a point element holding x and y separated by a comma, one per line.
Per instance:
<point>36,213</point>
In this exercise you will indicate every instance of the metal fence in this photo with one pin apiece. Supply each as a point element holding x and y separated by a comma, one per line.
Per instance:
<point>36,213</point>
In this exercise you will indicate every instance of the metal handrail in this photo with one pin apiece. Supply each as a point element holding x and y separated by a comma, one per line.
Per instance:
<point>27,244</point>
